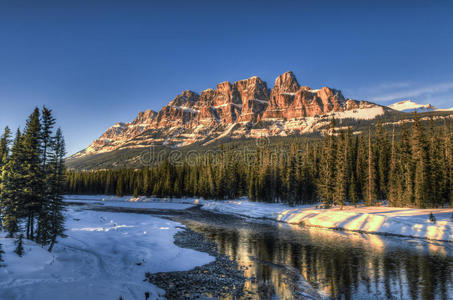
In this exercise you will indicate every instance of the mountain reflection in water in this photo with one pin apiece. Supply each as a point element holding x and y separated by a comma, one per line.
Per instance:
<point>339,265</point>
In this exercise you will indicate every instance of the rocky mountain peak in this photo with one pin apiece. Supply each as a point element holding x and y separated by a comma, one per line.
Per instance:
<point>186,98</point>
<point>286,82</point>
<point>145,117</point>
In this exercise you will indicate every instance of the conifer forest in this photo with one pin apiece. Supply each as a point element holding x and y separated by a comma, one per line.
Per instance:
<point>408,167</point>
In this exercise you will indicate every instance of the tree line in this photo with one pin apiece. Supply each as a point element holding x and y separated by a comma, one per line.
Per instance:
<point>32,181</point>
<point>408,168</point>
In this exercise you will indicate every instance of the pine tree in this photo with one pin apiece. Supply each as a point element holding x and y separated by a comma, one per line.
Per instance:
<point>382,161</point>
<point>47,142</point>
<point>326,182</point>
<point>4,146</point>
<point>393,174</point>
<point>13,178</point>
<point>407,170</point>
<point>342,171</point>
<point>4,154</point>
<point>371,192</point>
<point>19,245</point>
<point>1,254</point>
<point>420,156</point>
<point>56,206</point>
<point>33,183</point>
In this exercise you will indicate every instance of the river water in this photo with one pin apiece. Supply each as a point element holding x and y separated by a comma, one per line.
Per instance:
<point>339,265</point>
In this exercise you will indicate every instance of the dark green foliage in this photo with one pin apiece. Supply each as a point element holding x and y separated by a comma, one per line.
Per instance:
<point>342,167</point>
<point>19,245</point>
<point>33,180</point>
<point>1,254</point>
<point>13,176</point>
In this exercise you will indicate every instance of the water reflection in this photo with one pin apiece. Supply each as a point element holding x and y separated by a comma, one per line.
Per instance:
<point>339,265</point>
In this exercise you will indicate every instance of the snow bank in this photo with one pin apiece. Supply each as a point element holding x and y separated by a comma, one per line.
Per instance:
<point>105,256</point>
<point>383,220</point>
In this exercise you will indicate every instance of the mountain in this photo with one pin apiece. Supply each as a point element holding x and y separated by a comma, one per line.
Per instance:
<point>410,106</point>
<point>243,109</point>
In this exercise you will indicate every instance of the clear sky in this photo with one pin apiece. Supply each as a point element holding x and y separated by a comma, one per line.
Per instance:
<point>99,62</point>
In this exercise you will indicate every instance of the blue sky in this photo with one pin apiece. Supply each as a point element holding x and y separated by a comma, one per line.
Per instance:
<point>99,62</point>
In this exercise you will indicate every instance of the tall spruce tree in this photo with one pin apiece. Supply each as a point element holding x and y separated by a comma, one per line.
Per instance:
<point>12,193</point>
<point>371,186</point>
<point>56,189</point>
<point>422,188</point>
<point>326,184</point>
<point>34,181</point>
<point>4,154</point>
<point>342,171</point>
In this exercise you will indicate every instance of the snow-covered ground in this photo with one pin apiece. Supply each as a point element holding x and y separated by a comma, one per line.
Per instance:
<point>385,220</point>
<point>105,256</point>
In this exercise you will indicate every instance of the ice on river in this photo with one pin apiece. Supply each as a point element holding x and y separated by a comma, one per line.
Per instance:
<point>105,256</point>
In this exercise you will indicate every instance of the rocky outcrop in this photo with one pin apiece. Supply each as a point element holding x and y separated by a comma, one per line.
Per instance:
<point>236,109</point>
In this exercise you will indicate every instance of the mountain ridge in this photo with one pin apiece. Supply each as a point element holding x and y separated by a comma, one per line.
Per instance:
<point>244,108</point>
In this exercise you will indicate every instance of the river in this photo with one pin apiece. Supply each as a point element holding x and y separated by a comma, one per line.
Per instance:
<point>338,264</point>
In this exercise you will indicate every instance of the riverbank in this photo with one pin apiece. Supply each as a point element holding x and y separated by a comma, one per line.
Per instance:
<point>377,220</point>
<point>105,256</point>
<point>408,222</point>
<point>220,278</point>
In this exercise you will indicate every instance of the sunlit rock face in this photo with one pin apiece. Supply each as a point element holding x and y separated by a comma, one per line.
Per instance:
<point>245,108</point>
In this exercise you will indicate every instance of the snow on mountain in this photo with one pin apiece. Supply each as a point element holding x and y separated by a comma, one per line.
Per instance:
<point>410,106</point>
<point>445,109</point>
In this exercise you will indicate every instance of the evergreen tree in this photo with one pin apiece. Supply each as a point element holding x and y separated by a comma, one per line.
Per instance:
<point>4,154</point>
<point>371,189</point>
<point>46,142</point>
<point>420,157</point>
<point>4,146</point>
<point>381,154</point>
<point>1,254</point>
<point>19,245</point>
<point>57,181</point>
<point>326,183</point>
<point>13,178</point>
<point>33,183</point>
<point>342,171</point>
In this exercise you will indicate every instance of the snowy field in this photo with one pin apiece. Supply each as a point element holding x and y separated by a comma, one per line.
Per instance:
<point>105,256</point>
<point>384,220</point>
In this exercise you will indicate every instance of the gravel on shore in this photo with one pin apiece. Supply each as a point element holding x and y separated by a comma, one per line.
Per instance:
<point>221,278</point>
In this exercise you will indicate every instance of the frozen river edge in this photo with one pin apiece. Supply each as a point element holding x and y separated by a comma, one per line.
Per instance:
<point>383,220</point>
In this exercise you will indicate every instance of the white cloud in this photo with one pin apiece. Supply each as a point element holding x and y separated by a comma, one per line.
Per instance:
<point>437,94</point>
<point>428,90</point>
